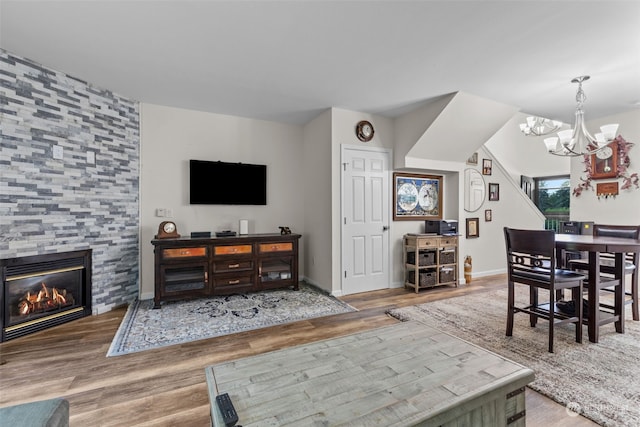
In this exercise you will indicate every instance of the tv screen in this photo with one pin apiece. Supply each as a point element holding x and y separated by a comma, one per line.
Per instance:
<point>220,183</point>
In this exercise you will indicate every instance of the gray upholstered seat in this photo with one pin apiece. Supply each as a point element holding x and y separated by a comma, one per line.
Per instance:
<point>43,413</point>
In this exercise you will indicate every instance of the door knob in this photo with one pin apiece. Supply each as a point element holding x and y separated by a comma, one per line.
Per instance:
<point>385,227</point>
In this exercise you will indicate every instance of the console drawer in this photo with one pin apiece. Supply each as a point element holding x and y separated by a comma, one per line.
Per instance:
<point>276,247</point>
<point>235,280</point>
<point>448,241</point>
<point>233,250</point>
<point>172,253</point>
<point>232,265</point>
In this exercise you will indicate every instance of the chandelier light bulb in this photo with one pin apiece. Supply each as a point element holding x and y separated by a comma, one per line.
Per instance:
<point>609,131</point>
<point>551,143</point>
<point>538,126</point>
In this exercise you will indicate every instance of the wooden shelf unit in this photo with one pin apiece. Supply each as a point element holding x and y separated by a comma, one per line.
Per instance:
<point>430,260</point>
<point>200,267</point>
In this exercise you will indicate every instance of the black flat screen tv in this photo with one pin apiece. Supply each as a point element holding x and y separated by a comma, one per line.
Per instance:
<point>220,183</point>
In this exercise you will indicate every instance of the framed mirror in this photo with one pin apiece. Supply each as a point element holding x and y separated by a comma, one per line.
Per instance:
<point>474,190</point>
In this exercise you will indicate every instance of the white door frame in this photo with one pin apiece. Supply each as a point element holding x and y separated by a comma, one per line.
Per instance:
<point>388,152</point>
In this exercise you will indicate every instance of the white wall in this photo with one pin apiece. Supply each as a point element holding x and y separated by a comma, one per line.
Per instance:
<point>522,155</point>
<point>304,187</point>
<point>410,127</point>
<point>172,136</point>
<point>625,208</point>
<point>318,201</point>
<point>513,209</point>
<point>525,155</point>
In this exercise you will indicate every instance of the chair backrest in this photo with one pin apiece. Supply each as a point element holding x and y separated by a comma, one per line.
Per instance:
<point>624,231</point>
<point>530,253</point>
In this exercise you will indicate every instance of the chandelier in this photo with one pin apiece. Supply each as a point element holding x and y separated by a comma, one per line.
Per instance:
<point>539,126</point>
<point>578,141</point>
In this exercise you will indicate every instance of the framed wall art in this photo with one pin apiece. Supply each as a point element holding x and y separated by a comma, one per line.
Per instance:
<point>494,192</point>
<point>473,228</point>
<point>488,215</point>
<point>473,160</point>
<point>416,197</point>
<point>487,165</point>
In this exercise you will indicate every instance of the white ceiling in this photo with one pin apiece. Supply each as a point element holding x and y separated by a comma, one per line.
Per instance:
<point>287,61</point>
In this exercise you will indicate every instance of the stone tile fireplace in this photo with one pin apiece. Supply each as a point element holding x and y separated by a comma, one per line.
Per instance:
<point>42,291</point>
<point>87,196</point>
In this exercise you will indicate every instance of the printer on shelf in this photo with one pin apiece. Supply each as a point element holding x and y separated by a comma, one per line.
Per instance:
<point>576,227</point>
<point>445,227</point>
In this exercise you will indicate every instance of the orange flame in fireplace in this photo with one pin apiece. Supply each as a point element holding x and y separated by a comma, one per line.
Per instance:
<point>45,299</point>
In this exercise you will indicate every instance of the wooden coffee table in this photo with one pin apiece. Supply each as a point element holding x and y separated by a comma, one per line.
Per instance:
<point>400,375</point>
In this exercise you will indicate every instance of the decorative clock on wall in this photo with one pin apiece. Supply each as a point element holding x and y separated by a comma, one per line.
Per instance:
<point>604,163</point>
<point>364,131</point>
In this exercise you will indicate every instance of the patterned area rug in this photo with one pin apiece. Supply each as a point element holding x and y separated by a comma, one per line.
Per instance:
<point>144,328</point>
<point>600,381</point>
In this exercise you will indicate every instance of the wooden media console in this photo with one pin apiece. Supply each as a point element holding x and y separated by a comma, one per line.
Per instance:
<point>200,267</point>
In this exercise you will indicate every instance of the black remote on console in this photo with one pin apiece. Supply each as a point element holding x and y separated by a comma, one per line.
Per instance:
<point>228,412</point>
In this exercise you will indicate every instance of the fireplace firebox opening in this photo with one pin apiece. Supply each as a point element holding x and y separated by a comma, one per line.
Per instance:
<point>42,291</point>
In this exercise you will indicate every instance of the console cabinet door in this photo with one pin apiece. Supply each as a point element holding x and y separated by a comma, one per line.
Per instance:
<point>277,264</point>
<point>276,271</point>
<point>189,277</point>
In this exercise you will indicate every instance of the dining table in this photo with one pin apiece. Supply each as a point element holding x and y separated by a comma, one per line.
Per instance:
<point>596,245</point>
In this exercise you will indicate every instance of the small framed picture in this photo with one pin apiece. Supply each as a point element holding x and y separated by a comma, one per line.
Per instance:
<point>494,192</point>
<point>486,166</point>
<point>473,228</point>
<point>488,215</point>
<point>473,160</point>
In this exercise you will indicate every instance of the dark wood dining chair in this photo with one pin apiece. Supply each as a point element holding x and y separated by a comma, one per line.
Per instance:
<point>531,261</point>
<point>607,262</point>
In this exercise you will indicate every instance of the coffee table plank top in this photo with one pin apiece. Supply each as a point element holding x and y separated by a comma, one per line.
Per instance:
<point>402,374</point>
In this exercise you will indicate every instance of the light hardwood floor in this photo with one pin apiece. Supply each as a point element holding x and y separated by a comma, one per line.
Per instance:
<point>167,386</point>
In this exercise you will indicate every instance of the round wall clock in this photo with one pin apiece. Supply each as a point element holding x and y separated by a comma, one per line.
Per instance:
<point>364,131</point>
<point>167,230</point>
<point>604,153</point>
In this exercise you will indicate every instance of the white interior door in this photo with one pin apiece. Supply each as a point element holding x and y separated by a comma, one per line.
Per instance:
<point>365,219</point>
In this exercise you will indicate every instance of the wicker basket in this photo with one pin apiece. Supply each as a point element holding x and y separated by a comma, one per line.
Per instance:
<point>426,278</point>
<point>447,256</point>
<point>447,274</point>
<point>425,258</point>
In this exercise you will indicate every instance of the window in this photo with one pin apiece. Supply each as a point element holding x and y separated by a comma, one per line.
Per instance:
<point>552,196</point>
